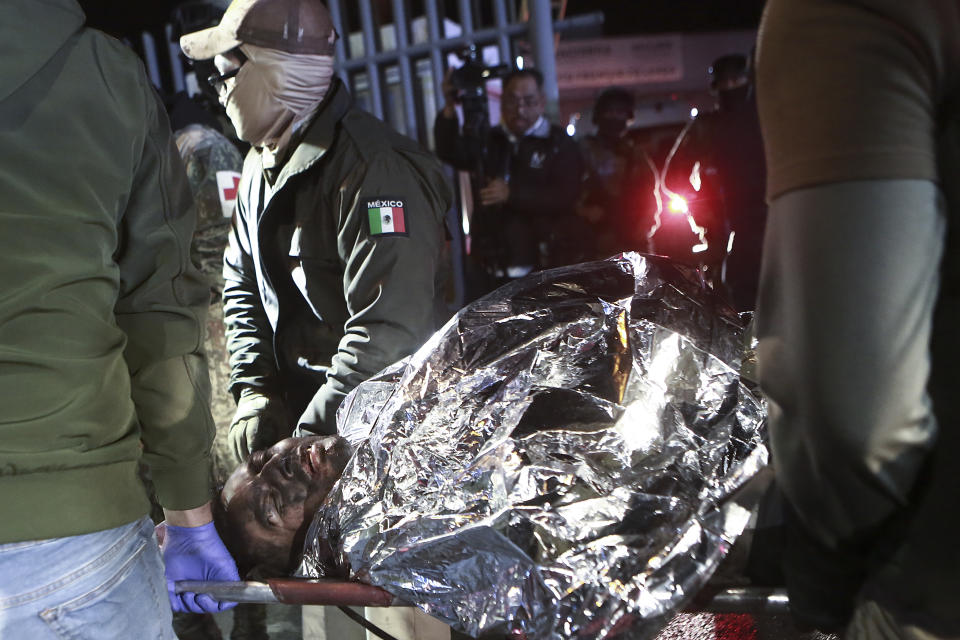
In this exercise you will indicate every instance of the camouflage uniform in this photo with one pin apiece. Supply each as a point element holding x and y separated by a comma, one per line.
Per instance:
<point>207,153</point>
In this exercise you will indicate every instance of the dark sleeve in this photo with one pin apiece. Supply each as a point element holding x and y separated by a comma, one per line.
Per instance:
<point>161,308</point>
<point>565,180</point>
<point>388,279</point>
<point>248,331</point>
<point>451,146</point>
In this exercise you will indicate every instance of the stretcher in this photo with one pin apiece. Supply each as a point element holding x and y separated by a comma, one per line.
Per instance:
<point>719,595</point>
<point>523,410</point>
<point>344,593</point>
<point>723,594</point>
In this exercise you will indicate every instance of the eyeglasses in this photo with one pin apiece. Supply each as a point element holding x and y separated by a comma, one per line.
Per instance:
<point>515,103</point>
<point>219,80</point>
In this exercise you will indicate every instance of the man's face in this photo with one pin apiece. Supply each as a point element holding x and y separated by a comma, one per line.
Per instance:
<point>522,104</point>
<point>612,121</point>
<point>272,497</point>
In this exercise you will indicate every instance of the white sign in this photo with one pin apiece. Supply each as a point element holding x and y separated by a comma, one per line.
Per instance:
<point>604,62</point>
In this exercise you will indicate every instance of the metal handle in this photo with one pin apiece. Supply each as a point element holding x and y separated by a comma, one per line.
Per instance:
<point>292,591</point>
<point>741,600</point>
<point>228,591</point>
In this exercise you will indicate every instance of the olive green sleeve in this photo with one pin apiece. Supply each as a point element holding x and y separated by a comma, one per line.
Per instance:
<point>161,308</point>
<point>388,278</point>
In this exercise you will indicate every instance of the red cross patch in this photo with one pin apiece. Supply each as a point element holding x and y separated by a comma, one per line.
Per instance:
<point>228,183</point>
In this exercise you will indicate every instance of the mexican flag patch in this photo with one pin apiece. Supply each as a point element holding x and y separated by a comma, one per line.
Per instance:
<point>386,217</point>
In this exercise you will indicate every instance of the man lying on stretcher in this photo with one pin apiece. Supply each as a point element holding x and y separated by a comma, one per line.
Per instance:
<point>577,429</point>
<point>268,502</point>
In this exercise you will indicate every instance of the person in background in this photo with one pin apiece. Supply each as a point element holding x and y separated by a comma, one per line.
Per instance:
<point>213,168</point>
<point>607,155</point>
<point>331,259</point>
<point>198,103</point>
<point>101,325</point>
<point>858,308</point>
<point>527,175</point>
<point>719,169</point>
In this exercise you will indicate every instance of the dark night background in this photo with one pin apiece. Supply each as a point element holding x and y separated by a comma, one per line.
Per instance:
<point>622,17</point>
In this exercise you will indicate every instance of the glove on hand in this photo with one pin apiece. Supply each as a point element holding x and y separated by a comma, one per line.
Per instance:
<point>196,553</point>
<point>260,421</point>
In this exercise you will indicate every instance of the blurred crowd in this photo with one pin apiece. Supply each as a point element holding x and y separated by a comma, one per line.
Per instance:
<point>541,199</point>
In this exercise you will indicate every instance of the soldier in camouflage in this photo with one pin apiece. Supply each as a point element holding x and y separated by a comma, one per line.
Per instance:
<point>213,166</point>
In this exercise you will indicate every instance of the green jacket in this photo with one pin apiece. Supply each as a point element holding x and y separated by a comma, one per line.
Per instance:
<point>100,310</point>
<point>320,294</point>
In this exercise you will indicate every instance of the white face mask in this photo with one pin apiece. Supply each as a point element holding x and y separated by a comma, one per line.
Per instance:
<point>271,90</point>
<point>251,103</point>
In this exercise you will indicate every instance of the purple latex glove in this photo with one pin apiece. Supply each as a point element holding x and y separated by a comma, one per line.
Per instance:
<point>196,553</point>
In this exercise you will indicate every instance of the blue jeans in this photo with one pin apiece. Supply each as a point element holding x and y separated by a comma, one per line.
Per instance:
<point>103,585</point>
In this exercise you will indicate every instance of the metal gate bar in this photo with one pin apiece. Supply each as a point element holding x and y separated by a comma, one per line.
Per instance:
<point>403,62</point>
<point>369,48</point>
<point>372,62</point>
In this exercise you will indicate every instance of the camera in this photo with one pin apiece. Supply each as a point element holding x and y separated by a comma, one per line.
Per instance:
<point>470,81</point>
<point>474,74</point>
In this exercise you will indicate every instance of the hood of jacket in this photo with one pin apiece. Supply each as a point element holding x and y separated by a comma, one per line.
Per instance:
<point>31,32</point>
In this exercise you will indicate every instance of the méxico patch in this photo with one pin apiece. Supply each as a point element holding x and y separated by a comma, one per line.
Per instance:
<point>386,217</point>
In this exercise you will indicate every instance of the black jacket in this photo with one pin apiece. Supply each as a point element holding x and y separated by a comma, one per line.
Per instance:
<point>319,296</point>
<point>544,174</point>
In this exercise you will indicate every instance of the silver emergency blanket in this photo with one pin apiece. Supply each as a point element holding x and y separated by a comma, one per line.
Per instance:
<point>556,461</point>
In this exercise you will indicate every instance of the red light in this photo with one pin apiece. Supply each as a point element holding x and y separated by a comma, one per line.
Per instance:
<point>678,204</point>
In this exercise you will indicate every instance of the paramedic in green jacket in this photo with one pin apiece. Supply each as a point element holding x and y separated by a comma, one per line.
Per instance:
<point>101,364</point>
<point>330,266</point>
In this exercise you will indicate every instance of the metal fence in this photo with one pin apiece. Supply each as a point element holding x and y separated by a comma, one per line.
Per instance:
<point>393,54</point>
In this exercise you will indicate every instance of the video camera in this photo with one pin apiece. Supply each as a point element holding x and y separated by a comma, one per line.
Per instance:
<point>470,81</point>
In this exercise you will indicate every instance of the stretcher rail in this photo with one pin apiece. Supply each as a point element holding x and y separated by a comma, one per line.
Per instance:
<point>356,594</point>
<point>341,593</point>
